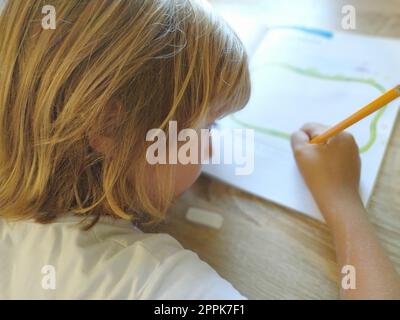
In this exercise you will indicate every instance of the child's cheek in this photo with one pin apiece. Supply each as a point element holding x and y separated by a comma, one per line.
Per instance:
<point>186,175</point>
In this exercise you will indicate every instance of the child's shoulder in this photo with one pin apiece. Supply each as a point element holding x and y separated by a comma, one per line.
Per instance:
<point>112,260</point>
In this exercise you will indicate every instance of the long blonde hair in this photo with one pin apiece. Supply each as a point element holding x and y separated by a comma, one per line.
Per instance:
<point>157,59</point>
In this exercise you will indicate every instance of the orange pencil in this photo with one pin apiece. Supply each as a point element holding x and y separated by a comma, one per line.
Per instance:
<point>375,105</point>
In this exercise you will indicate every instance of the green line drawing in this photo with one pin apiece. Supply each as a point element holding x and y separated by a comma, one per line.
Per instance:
<point>311,72</point>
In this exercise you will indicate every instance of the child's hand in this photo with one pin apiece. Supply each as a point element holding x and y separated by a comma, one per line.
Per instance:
<point>332,170</point>
<point>332,173</point>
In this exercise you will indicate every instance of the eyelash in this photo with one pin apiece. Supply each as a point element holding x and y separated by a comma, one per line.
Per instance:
<point>213,125</point>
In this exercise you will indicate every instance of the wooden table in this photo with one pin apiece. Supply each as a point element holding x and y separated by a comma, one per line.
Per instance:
<point>264,250</point>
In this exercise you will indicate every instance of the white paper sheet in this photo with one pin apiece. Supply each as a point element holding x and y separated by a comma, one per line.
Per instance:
<point>304,75</point>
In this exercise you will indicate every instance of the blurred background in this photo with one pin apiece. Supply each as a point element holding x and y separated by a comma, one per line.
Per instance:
<point>373,17</point>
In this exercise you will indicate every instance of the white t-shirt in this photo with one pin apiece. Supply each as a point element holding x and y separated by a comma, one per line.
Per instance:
<point>113,260</point>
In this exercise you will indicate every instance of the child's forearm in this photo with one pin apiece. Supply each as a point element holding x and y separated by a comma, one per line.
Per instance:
<point>357,245</point>
<point>332,173</point>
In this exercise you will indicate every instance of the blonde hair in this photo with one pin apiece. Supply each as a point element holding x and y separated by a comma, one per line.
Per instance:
<point>146,61</point>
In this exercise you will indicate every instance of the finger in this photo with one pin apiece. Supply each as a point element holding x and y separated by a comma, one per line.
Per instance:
<point>299,139</point>
<point>345,137</point>
<point>314,129</point>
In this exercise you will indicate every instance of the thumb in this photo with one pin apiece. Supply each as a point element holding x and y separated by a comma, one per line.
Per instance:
<point>299,139</point>
<point>313,129</point>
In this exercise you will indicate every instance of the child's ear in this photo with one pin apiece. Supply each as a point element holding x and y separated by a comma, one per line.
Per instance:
<point>101,144</point>
<point>102,140</point>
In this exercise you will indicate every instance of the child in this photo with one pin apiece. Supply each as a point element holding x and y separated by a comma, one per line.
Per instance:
<point>76,103</point>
